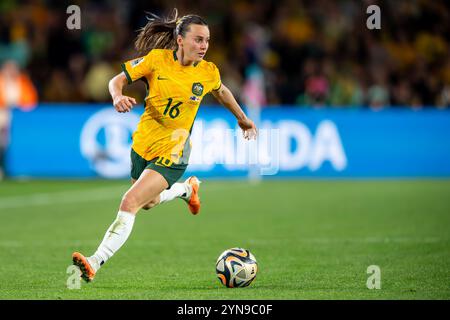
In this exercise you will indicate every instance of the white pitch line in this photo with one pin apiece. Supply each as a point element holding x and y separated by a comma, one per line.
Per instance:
<point>96,194</point>
<point>77,196</point>
<point>90,243</point>
<point>61,197</point>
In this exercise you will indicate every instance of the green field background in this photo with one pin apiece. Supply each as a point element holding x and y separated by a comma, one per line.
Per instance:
<point>313,239</point>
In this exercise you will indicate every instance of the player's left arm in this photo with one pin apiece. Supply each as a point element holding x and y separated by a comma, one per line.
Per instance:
<point>226,98</point>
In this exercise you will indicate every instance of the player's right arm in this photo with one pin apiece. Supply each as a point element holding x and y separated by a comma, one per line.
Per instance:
<point>133,70</point>
<point>121,103</point>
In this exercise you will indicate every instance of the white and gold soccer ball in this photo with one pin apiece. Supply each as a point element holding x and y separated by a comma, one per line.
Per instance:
<point>236,267</point>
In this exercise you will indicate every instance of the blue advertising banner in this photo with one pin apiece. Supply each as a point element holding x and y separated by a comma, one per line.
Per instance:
<point>94,141</point>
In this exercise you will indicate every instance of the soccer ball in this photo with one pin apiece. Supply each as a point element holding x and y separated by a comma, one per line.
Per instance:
<point>236,267</point>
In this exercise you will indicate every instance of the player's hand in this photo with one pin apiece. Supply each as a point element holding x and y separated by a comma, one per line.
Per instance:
<point>248,128</point>
<point>123,103</point>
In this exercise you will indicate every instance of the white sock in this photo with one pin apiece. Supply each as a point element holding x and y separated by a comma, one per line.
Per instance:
<point>114,238</point>
<point>176,190</point>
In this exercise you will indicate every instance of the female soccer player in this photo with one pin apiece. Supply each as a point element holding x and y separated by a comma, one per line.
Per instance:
<point>177,78</point>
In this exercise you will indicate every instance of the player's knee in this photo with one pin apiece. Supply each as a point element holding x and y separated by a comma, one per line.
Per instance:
<point>129,203</point>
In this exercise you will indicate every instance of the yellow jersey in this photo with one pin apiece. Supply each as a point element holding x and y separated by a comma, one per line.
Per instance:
<point>174,93</point>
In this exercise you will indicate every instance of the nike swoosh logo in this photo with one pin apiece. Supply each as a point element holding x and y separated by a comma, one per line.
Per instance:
<point>161,78</point>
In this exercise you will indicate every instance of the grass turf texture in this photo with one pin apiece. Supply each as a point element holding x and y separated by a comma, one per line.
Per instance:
<point>312,240</point>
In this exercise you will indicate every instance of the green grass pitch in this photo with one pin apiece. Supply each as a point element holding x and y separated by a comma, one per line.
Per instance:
<point>313,239</point>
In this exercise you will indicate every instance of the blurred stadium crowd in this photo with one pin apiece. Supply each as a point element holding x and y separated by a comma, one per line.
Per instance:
<point>312,53</point>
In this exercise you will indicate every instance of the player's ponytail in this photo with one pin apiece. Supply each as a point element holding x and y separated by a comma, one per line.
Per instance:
<point>161,33</point>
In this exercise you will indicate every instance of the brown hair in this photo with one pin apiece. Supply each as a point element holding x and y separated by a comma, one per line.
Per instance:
<point>161,33</point>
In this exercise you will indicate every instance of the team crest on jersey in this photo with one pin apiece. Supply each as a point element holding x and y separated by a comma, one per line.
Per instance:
<point>197,89</point>
<point>135,62</point>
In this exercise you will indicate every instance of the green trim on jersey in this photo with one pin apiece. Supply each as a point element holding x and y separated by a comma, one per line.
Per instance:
<point>124,68</point>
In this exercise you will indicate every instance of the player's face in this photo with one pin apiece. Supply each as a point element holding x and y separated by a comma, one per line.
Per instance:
<point>196,42</point>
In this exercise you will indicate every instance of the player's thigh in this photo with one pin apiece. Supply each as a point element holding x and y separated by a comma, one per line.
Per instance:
<point>149,185</point>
